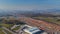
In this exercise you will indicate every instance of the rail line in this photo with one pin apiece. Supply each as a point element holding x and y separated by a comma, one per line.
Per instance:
<point>49,27</point>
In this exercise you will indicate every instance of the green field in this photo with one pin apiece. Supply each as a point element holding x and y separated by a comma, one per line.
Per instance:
<point>48,19</point>
<point>8,32</point>
<point>7,25</point>
<point>1,29</point>
<point>1,32</point>
<point>16,28</point>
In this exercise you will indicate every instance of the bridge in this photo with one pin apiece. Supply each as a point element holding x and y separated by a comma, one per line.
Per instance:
<point>48,27</point>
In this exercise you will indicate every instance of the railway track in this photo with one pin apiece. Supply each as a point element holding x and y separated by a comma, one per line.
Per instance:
<point>49,27</point>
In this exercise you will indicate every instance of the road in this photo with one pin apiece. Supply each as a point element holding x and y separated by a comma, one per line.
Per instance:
<point>9,30</point>
<point>20,31</point>
<point>4,31</point>
<point>49,27</point>
<point>14,26</point>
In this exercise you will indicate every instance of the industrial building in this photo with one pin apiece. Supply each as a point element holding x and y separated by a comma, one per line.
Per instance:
<point>32,30</point>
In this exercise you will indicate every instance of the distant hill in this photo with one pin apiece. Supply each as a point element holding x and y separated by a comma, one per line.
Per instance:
<point>49,12</point>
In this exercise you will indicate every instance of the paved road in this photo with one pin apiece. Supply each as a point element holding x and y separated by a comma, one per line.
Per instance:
<point>20,30</point>
<point>14,26</point>
<point>4,31</point>
<point>49,27</point>
<point>9,30</point>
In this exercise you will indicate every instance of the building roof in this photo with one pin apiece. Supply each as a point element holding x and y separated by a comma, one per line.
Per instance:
<point>31,29</point>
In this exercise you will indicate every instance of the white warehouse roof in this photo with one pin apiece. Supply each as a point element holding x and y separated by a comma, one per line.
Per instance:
<point>31,30</point>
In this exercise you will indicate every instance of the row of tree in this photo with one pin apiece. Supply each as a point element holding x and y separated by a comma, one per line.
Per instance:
<point>11,21</point>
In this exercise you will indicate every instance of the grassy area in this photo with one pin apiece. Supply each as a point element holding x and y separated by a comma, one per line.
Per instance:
<point>48,19</point>
<point>1,32</point>
<point>52,20</point>
<point>7,25</point>
<point>16,28</point>
<point>1,29</point>
<point>8,32</point>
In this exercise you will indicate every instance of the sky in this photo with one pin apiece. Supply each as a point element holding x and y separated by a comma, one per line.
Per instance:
<point>29,4</point>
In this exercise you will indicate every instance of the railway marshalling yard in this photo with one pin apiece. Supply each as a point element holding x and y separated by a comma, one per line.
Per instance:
<point>51,28</point>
